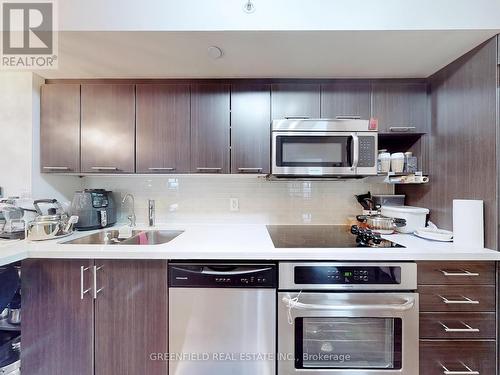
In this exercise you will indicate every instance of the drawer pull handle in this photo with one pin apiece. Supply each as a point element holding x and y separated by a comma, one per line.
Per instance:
<point>464,301</point>
<point>467,329</point>
<point>459,273</point>
<point>466,371</point>
<point>104,168</point>
<point>161,169</point>
<point>203,169</point>
<point>57,168</point>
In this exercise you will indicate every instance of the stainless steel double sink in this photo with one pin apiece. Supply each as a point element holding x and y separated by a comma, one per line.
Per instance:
<point>139,237</point>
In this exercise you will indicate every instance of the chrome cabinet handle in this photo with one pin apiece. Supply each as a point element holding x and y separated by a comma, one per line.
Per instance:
<point>57,168</point>
<point>355,161</point>
<point>161,169</point>
<point>459,273</point>
<point>467,370</point>
<point>401,129</point>
<point>208,169</point>
<point>467,329</point>
<point>96,291</point>
<point>348,117</point>
<point>104,168</point>
<point>249,169</point>
<point>406,305</point>
<point>464,301</point>
<point>82,290</point>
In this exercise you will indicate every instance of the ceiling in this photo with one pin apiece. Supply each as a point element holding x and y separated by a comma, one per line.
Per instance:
<point>264,54</point>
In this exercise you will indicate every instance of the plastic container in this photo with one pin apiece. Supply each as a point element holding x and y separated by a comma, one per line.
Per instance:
<point>398,162</point>
<point>415,216</point>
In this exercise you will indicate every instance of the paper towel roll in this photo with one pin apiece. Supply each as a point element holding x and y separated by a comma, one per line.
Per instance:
<point>468,222</point>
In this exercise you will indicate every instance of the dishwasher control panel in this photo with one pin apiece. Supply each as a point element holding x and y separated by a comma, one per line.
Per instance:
<point>223,275</point>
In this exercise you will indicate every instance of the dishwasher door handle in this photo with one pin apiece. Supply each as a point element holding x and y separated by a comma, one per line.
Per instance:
<point>222,273</point>
<point>294,304</point>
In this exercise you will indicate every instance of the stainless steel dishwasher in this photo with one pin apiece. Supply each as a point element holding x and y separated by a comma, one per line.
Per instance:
<point>222,319</point>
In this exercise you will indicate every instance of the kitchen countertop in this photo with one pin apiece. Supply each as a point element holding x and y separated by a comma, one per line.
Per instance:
<point>233,241</point>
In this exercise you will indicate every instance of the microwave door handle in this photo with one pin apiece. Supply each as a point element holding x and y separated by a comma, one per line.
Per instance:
<point>294,304</point>
<point>355,153</point>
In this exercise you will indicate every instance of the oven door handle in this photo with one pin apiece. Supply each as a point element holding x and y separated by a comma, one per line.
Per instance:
<point>355,153</point>
<point>294,304</point>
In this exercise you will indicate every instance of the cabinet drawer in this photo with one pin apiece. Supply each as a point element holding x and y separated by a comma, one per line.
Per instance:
<point>438,273</point>
<point>457,325</point>
<point>460,298</point>
<point>457,357</point>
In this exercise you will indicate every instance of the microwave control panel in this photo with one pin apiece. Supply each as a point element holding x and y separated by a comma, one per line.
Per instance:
<point>344,275</point>
<point>367,151</point>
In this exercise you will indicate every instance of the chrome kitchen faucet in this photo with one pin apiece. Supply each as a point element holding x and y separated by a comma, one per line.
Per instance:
<point>132,218</point>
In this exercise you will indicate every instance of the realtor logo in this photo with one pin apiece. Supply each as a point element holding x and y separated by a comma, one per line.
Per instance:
<point>28,35</point>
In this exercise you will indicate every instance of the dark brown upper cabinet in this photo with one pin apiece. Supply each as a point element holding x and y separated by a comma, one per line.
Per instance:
<point>400,107</point>
<point>250,128</point>
<point>210,117</point>
<point>60,128</point>
<point>346,99</point>
<point>295,100</point>
<point>108,128</point>
<point>163,128</point>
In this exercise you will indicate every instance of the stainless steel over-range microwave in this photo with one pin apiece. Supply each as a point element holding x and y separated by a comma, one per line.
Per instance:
<point>324,147</point>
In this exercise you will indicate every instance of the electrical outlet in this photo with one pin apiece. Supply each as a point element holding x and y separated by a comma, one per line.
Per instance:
<point>234,204</point>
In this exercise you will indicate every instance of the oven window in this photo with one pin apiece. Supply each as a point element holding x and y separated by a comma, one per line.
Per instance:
<point>313,151</point>
<point>348,343</point>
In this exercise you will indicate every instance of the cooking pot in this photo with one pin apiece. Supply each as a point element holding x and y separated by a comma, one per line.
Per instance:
<point>381,224</point>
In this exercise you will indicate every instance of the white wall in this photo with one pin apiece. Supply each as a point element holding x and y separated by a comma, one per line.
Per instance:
<point>19,141</point>
<point>15,132</point>
<point>186,15</point>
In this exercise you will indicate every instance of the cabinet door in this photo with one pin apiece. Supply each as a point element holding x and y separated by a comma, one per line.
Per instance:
<point>295,100</point>
<point>346,99</point>
<point>163,128</point>
<point>131,317</point>
<point>108,128</point>
<point>60,128</point>
<point>210,107</point>
<point>250,128</point>
<point>400,106</point>
<point>57,324</point>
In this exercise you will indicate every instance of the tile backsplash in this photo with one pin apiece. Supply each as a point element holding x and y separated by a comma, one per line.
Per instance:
<point>207,199</point>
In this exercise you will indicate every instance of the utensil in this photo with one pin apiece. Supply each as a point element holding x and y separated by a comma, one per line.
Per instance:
<point>381,224</point>
<point>361,200</point>
<point>14,316</point>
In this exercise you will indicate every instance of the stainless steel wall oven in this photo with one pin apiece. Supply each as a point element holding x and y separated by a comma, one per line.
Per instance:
<point>348,319</point>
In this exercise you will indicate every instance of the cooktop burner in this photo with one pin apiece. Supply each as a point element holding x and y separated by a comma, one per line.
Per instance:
<point>321,236</point>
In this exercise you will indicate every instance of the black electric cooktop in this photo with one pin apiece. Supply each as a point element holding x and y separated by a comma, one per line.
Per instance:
<point>318,236</point>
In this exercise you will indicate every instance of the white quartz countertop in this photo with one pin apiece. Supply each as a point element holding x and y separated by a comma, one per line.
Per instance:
<point>241,242</point>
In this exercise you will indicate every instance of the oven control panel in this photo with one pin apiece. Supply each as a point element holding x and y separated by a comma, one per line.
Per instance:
<point>345,275</point>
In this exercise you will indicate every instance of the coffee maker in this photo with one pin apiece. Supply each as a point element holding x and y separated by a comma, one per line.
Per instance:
<point>95,208</point>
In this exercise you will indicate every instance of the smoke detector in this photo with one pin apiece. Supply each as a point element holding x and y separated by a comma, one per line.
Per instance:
<point>249,7</point>
<point>215,52</point>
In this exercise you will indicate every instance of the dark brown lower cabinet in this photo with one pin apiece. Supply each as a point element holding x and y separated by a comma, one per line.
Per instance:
<point>131,317</point>
<point>458,315</point>
<point>438,357</point>
<point>57,325</point>
<point>116,331</point>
